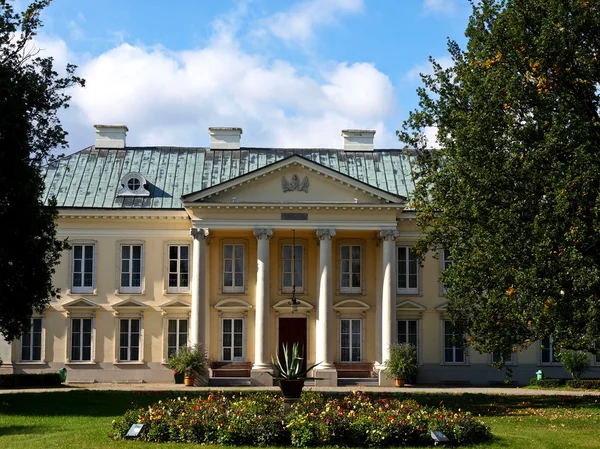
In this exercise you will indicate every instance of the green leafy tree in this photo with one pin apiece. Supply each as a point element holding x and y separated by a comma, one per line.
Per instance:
<point>31,93</point>
<point>513,191</point>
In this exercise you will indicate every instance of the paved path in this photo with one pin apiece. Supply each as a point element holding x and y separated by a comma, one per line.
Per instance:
<point>165,387</point>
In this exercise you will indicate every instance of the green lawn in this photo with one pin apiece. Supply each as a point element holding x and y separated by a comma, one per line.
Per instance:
<point>82,419</point>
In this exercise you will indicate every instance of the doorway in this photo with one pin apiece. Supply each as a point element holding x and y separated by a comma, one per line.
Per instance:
<point>292,330</point>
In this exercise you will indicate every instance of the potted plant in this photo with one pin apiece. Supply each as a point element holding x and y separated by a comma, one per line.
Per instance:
<point>402,364</point>
<point>191,361</point>
<point>291,375</point>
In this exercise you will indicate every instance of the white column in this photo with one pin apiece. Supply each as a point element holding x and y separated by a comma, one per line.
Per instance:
<point>325,323</point>
<point>261,323</point>
<point>388,293</point>
<point>198,314</point>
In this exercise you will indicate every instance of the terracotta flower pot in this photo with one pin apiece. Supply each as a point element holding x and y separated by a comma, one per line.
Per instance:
<point>188,381</point>
<point>399,382</point>
<point>291,388</point>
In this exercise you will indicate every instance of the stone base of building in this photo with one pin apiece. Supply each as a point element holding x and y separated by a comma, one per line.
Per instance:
<point>326,377</point>
<point>261,377</point>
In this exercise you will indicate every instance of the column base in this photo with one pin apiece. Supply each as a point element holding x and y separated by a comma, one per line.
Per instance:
<point>326,377</point>
<point>260,376</point>
<point>385,380</point>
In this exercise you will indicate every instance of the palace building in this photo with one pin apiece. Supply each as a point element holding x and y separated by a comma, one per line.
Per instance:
<point>243,249</point>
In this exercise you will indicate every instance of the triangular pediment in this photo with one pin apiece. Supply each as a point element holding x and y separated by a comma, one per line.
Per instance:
<point>232,304</point>
<point>442,307</point>
<point>294,180</point>
<point>176,303</point>
<point>284,305</point>
<point>409,306</point>
<point>80,303</point>
<point>129,304</point>
<point>351,304</point>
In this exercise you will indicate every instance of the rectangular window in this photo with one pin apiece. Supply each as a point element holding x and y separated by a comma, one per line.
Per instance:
<point>81,339</point>
<point>408,281</point>
<point>350,269</point>
<point>129,340</point>
<point>295,277</point>
<point>350,340</point>
<point>233,339</point>
<point>446,262</point>
<point>83,269</point>
<point>510,360</point>
<point>131,269</point>
<point>454,345</point>
<point>233,268</point>
<point>31,342</point>
<point>547,351</point>
<point>179,269</point>
<point>408,331</point>
<point>177,335</point>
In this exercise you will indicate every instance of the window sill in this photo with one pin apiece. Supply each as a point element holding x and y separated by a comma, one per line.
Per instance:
<point>72,292</point>
<point>350,292</point>
<point>558,364</point>
<point>185,293</point>
<point>137,362</point>
<point>87,362</point>
<point>403,293</point>
<point>455,364</point>
<point>35,362</point>
<point>122,293</point>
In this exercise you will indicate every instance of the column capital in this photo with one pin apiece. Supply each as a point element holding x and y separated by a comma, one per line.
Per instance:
<point>325,233</point>
<point>388,234</point>
<point>200,233</point>
<point>263,233</point>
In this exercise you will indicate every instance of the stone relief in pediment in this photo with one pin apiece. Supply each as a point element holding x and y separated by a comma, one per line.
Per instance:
<point>295,184</point>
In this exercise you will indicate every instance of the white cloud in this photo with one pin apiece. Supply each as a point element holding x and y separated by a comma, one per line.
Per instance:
<point>298,24</point>
<point>439,6</point>
<point>426,68</point>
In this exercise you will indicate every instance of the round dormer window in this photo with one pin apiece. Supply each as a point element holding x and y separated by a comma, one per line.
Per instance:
<point>134,184</point>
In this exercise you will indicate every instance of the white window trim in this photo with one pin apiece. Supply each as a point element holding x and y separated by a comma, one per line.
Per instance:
<point>88,290</point>
<point>351,290</point>
<point>539,357</point>
<point>131,290</point>
<point>407,291</point>
<point>176,290</point>
<point>173,316</point>
<point>236,289</point>
<point>300,290</point>
<point>362,337</point>
<point>443,347</point>
<point>419,328</point>
<point>233,316</point>
<point>117,340</point>
<point>442,268</point>
<point>512,362</point>
<point>18,346</point>
<point>79,315</point>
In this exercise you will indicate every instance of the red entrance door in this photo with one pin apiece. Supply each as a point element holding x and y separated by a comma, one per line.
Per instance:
<point>292,330</point>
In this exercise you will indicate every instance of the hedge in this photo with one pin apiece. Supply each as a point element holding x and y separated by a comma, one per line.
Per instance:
<point>547,382</point>
<point>589,384</point>
<point>29,380</point>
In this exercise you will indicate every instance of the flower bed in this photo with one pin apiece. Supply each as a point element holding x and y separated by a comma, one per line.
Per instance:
<point>258,419</point>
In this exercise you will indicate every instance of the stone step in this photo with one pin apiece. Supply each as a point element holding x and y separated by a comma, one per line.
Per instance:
<point>229,382</point>
<point>358,381</point>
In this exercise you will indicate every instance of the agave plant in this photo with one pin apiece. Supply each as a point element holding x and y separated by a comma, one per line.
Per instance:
<point>293,363</point>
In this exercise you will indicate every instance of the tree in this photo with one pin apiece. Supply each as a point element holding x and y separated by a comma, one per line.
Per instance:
<point>31,93</point>
<point>514,190</point>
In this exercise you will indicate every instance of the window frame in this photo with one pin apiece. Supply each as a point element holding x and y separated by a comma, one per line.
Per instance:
<point>178,319</point>
<point>244,333</point>
<point>83,289</point>
<point>417,335</point>
<point>235,289</point>
<point>118,346</point>
<point>511,362</point>
<point>300,289</point>
<point>351,290</point>
<point>407,290</point>
<point>351,347</point>
<point>444,264</point>
<point>129,289</point>
<point>19,346</point>
<point>541,348</point>
<point>70,342</point>
<point>465,361</point>
<point>177,289</point>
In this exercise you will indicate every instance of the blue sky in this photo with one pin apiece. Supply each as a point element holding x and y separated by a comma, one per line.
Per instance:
<point>290,73</point>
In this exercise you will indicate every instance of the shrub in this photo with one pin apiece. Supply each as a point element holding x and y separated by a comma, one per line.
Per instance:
<point>575,362</point>
<point>589,384</point>
<point>546,382</point>
<point>402,363</point>
<point>189,360</point>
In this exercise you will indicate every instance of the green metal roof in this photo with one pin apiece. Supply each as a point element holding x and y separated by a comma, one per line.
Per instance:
<point>91,178</point>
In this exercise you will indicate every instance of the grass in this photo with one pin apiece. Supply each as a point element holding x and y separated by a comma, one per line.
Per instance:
<point>82,419</point>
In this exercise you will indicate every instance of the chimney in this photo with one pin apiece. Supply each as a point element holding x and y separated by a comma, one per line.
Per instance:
<point>225,138</point>
<point>110,136</point>
<point>358,139</point>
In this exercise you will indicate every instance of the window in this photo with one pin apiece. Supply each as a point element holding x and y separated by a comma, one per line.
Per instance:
<point>233,339</point>
<point>31,342</point>
<point>408,331</point>
<point>454,345</point>
<point>446,261</point>
<point>408,282</point>
<point>131,269</point>
<point>547,354</point>
<point>350,340</point>
<point>177,335</point>
<point>179,269</point>
<point>510,360</point>
<point>296,277</point>
<point>350,269</point>
<point>129,340</point>
<point>233,268</point>
<point>81,339</point>
<point>83,268</point>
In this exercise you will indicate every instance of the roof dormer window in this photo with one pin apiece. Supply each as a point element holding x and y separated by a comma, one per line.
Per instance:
<point>134,184</point>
